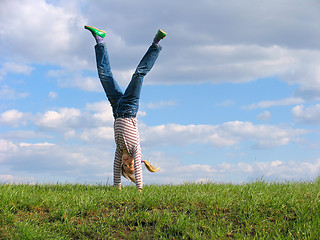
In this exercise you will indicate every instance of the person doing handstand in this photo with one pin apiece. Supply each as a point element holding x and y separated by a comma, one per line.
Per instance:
<point>127,160</point>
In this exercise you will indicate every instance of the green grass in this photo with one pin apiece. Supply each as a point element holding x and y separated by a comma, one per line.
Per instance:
<point>258,210</point>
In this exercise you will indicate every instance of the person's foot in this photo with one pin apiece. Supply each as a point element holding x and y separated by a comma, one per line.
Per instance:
<point>160,35</point>
<point>95,31</point>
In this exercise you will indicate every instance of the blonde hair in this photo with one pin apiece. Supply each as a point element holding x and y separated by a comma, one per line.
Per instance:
<point>130,176</point>
<point>150,167</point>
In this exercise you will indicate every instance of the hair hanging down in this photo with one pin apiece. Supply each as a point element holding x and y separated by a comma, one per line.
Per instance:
<point>130,176</point>
<point>150,167</point>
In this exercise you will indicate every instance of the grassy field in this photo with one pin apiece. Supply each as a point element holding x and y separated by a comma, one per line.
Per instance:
<point>258,210</point>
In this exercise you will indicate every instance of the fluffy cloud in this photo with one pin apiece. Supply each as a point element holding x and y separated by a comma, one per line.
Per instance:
<point>13,118</point>
<point>224,135</point>
<point>64,163</point>
<point>309,114</point>
<point>64,118</point>
<point>102,134</point>
<point>20,135</point>
<point>264,116</point>
<point>274,170</point>
<point>75,80</point>
<point>7,146</point>
<point>287,170</point>
<point>94,162</point>
<point>229,63</point>
<point>281,102</point>
<point>95,123</point>
<point>8,93</point>
<point>17,68</point>
<point>68,119</point>
<point>244,63</point>
<point>53,95</point>
<point>218,50</point>
<point>101,111</point>
<point>47,30</point>
<point>92,158</point>
<point>160,104</point>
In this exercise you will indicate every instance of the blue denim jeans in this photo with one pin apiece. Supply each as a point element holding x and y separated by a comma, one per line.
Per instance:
<point>124,105</point>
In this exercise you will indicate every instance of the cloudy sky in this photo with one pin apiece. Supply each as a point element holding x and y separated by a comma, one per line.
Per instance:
<point>234,95</point>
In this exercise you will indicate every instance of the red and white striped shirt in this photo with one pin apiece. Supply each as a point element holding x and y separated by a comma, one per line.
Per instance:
<point>126,136</point>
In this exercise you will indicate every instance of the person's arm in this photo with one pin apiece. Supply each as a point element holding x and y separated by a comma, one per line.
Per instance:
<point>117,169</point>
<point>137,168</point>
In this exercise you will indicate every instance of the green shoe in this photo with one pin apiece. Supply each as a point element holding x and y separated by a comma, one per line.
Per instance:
<point>161,34</point>
<point>96,31</point>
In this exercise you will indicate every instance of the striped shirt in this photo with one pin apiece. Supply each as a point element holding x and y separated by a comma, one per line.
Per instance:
<point>126,136</point>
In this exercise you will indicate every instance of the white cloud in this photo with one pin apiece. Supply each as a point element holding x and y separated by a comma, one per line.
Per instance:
<point>191,169</point>
<point>218,50</point>
<point>101,134</point>
<point>124,76</point>
<point>101,111</point>
<point>98,106</point>
<point>94,163</point>
<point>279,170</point>
<point>18,135</point>
<point>264,116</point>
<point>309,114</point>
<point>76,80</point>
<point>93,126</point>
<point>90,84</point>
<point>224,135</point>
<point>43,161</point>
<point>64,118</point>
<point>305,72</point>
<point>8,93</point>
<point>45,144</point>
<point>226,103</point>
<point>6,146</point>
<point>94,115</point>
<point>53,95</point>
<point>12,118</point>
<point>225,63</point>
<point>160,104</point>
<point>275,103</point>
<point>239,172</point>
<point>47,30</point>
<point>17,68</point>
<point>9,179</point>
<point>245,167</point>
<point>71,121</point>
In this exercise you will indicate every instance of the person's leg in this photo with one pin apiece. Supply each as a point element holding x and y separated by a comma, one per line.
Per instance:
<point>130,100</point>
<point>109,84</point>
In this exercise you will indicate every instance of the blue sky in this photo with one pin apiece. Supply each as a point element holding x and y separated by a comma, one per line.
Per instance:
<point>234,95</point>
